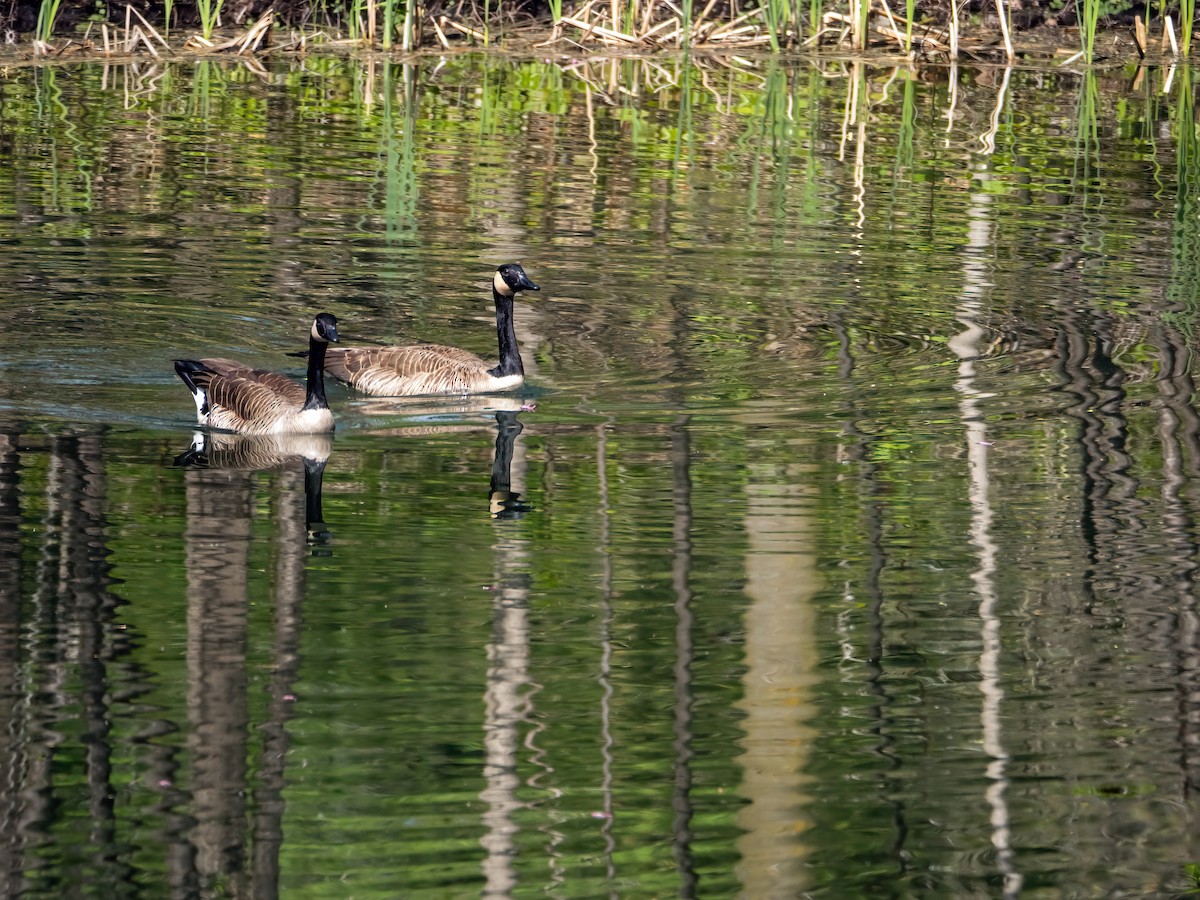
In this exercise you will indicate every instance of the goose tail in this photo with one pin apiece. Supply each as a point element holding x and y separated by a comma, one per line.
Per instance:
<point>187,370</point>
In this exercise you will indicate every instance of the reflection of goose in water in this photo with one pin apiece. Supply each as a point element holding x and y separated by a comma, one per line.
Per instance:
<point>505,503</point>
<point>236,397</point>
<point>418,369</point>
<point>262,452</point>
<point>416,416</point>
<point>423,419</point>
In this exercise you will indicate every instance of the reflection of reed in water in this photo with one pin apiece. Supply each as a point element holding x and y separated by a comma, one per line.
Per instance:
<point>228,843</point>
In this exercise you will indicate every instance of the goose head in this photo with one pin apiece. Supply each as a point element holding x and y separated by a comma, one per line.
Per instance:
<point>324,328</point>
<point>511,278</point>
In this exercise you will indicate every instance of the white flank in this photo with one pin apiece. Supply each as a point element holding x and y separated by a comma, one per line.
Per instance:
<point>505,383</point>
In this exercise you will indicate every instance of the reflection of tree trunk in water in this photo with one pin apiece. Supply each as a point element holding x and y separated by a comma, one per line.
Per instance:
<point>858,452</point>
<point>1179,434</point>
<point>294,517</point>
<point>85,589</point>
<point>220,506</point>
<point>968,345</point>
<point>606,648</point>
<point>881,707</point>
<point>681,497</point>
<point>508,695</point>
<point>1110,522</point>
<point>70,643</point>
<point>12,702</point>
<point>781,654</point>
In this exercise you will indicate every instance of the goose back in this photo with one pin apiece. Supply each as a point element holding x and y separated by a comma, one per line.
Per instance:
<point>415,369</point>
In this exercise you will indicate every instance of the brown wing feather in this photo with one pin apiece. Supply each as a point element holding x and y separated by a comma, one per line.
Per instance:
<point>240,397</point>
<point>409,370</point>
<point>287,389</point>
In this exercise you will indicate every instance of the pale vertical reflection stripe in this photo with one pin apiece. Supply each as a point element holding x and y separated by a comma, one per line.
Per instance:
<point>966,346</point>
<point>952,79</point>
<point>292,550</point>
<point>988,139</point>
<point>217,547</point>
<point>781,580</point>
<point>507,699</point>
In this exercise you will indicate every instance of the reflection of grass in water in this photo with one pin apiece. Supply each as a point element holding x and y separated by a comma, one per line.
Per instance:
<point>908,127</point>
<point>488,102</point>
<point>1185,233</point>
<point>1087,140</point>
<point>779,122</point>
<point>398,155</point>
<point>812,167</point>
<point>52,108</point>
<point>787,98</point>
<point>683,128</point>
<point>198,100</point>
<point>1086,176</point>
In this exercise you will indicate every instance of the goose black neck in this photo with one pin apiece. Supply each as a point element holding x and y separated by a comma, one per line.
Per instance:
<point>315,398</point>
<point>510,356</point>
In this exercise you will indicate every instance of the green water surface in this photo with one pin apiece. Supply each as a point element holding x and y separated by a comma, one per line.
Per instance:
<point>841,543</point>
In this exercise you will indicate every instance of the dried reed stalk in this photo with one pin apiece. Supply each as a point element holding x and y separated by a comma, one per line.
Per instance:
<point>588,28</point>
<point>441,35</point>
<point>149,28</point>
<point>465,29</point>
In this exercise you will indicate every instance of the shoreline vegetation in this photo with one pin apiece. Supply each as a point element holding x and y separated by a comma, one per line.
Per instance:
<point>1058,32</point>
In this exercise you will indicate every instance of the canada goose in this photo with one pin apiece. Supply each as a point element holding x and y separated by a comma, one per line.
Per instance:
<point>415,369</point>
<point>235,397</point>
